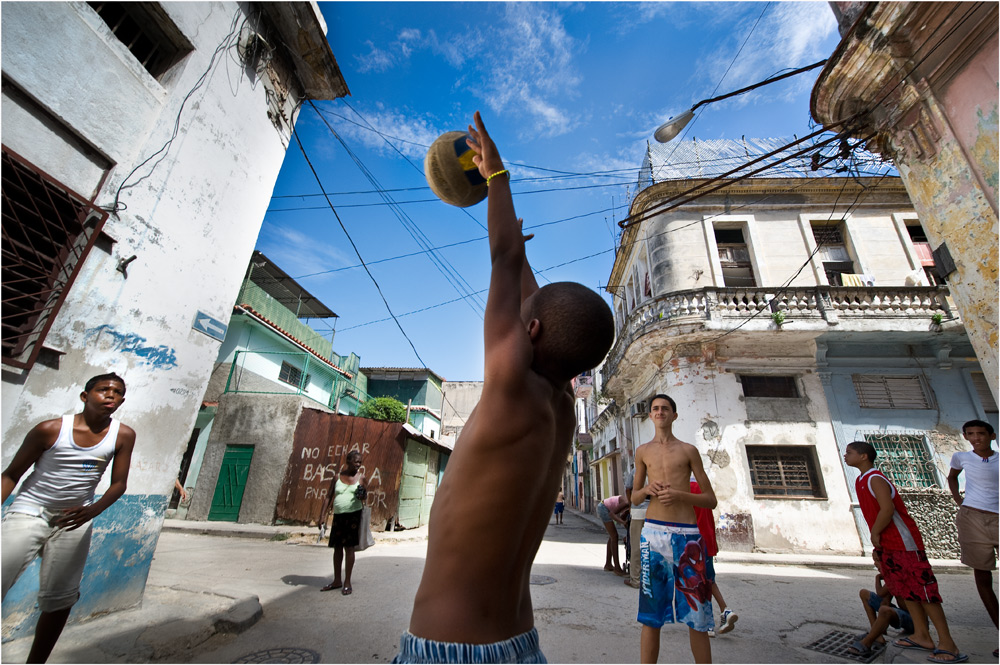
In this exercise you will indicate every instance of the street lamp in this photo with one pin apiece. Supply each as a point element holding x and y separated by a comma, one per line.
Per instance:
<point>673,126</point>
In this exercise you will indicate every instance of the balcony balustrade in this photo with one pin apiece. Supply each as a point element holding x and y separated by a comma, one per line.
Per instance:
<point>583,385</point>
<point>832,304</point>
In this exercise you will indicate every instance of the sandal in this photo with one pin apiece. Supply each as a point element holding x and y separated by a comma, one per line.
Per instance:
<point>858,648</point>
<point>346,591</point>
<point>331,586</point>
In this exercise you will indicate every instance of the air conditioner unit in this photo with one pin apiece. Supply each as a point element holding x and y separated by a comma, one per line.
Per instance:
<point>638,409</point>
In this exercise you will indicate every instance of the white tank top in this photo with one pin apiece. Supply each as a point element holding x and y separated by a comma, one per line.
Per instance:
<point>66,474</point>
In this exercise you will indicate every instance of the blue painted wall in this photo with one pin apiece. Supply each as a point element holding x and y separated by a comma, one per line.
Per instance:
<point>121,552</point>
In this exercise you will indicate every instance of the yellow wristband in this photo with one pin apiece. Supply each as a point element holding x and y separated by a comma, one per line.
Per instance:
<point>493,175</point>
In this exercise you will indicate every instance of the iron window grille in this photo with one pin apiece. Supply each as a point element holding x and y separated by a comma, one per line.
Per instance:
<point>891,392</point>
<point>784,472</point>
<point>48,231</point>
<point>292,375</point>
<point>903,457</point>
<point>146,32</point>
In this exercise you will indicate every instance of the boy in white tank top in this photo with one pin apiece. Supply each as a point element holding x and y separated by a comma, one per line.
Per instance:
<point>70,455</point>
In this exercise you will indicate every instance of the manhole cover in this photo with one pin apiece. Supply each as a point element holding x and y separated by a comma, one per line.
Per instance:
<point>282,655</point>
<point>836,643</point>
<point>542,579</point>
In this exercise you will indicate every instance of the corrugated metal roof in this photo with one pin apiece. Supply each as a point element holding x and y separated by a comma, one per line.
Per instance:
<point>406,372</point>
<point>679,160</point>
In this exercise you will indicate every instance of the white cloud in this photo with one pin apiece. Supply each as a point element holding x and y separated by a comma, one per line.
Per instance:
<point>790,35</point>
<point>410,134</point>
<point>376,60</point>
<point>532,76</point>
<point>299,253</point>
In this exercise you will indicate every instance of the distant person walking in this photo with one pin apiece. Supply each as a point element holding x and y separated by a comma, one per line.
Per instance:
<point>53,512</point>
<point>346,497</point>
<point>900,547</point>
<point>977,512</point>
<point>611,511</point>
<point>560,506</point>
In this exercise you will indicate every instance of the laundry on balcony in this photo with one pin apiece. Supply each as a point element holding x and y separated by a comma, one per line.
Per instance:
<point>862,279</point>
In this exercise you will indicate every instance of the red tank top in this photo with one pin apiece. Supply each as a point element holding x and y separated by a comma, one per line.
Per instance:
<point>902,532</point>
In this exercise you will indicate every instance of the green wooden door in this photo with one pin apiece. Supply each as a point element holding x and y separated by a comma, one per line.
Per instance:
<point>232,481</point>
<point>411,487</point>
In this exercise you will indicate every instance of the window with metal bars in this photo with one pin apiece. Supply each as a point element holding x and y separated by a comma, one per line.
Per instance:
<point>292,375</point>
<point>784,472</point>
<point>891,392</point>
<point>146,32</point>
<point>48,230</point>
<point>903,457</point>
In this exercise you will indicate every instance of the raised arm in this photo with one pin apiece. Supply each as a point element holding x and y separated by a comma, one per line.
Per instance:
<point>507,347</point>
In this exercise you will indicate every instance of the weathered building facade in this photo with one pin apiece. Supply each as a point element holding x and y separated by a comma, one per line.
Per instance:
<point>269,350</point>
<point>418,388</point>
<point>920,79</point>
<point>135,178</point>
<point>787,316</point>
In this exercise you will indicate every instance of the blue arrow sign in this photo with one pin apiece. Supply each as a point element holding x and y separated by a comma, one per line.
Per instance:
<point>212,327</point>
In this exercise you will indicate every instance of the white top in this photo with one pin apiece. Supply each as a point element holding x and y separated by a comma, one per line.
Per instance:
<point>981,479</point>
<point>66,475</point>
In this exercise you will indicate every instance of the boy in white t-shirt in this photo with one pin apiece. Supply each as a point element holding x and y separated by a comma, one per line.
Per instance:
<point>977,513</point>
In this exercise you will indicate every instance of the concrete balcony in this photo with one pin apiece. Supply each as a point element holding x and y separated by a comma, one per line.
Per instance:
<point>704,314</point>
<point>583,385</point>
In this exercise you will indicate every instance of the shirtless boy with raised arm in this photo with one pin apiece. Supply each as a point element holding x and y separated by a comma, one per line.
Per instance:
<point>474,604</point>
<point>674,584</point>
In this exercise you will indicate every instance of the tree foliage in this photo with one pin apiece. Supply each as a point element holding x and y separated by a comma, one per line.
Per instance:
<point>388,409</point>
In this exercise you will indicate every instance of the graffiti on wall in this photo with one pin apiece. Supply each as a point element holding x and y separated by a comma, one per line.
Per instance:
<point>321,443</point>
<point>160,357</point>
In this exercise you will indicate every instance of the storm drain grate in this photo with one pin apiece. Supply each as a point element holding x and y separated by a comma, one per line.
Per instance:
<point>836,643</point>
<point>541,579</point>
<point>282,655</point>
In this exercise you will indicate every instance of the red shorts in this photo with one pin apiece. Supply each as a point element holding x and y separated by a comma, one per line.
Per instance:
<point>908,575</point>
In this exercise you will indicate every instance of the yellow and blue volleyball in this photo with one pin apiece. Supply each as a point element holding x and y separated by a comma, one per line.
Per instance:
<point>451,173</point>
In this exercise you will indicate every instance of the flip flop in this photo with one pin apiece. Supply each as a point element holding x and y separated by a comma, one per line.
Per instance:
<point>907,643</point>
<point>858,648</point>
<point>346,591</point>
<point>955,657</point>
<point>331,586</point>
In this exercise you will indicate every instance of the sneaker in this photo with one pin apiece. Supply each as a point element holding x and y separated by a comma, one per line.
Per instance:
<point>727,621</point>
<point>711,633</point>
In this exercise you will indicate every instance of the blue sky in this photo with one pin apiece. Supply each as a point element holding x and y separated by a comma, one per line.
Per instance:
<point>571,93</point>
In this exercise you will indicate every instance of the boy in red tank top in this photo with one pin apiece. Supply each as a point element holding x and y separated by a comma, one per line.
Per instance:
<point>897,541</point>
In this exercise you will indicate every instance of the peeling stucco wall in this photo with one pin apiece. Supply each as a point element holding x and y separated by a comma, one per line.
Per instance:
<point>191,217</point>
<point>712,416</point>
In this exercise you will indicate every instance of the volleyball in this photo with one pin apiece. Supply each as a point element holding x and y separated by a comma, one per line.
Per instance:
<point>451,173</point>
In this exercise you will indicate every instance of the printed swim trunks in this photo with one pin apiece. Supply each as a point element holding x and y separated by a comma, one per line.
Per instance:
<point>674,585</point>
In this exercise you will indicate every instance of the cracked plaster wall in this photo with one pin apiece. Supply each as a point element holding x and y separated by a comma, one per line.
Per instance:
<point>712,416</point>
<point>192,223</point>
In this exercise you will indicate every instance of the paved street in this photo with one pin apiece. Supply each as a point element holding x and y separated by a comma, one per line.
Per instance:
<point>583,614</point>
